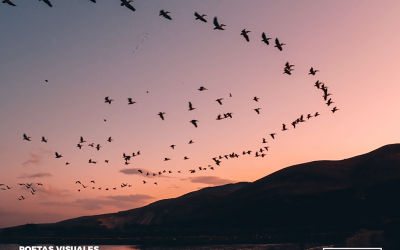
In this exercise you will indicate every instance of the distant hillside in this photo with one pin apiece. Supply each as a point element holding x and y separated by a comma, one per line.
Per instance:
<point>320,196</point>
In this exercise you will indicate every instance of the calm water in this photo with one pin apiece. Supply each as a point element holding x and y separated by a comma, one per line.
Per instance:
<point>210,247</point>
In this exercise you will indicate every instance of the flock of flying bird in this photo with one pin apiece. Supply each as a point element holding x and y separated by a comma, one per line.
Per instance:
<point>217,160</point>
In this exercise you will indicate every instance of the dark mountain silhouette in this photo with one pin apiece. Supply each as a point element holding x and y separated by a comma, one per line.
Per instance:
<point>315,197</point>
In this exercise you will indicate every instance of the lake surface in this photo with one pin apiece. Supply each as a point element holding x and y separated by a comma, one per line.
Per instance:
<point>209,247</point>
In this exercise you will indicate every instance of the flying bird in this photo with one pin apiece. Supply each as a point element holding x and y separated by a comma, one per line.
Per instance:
<point>191,141</point>
<point>317,84</point>
<point>165,14</point>
<point>47,2</point>
<point>244,34</point>
<point>161,114</point>
<point>256,98</point>
<point>334,110</point>
<point>9,2</point>
<point>190,106</point>
<point>217,25</point>
<point>109,139</point>
<point>167,159</point>
<point>272,135</point>
<point>265,39</point>
<point>79,146</point>
<point>312,71</point>
<point>57,155</point>
<point>201,18</point>
<point>27,137</point>
<point>98,147</point>
<point>127,4</point>
<point>202,88</point>
<point>264,141</point>
<point>44,140</point>
<point>107,99</point>
<point>219,100</point>
<point>130,101</point>
<point>284,127</point>
<point>278,44</point>
<point>173,146</point>
<point>194,122</point>
<point>316,114</point>
<point>329,102</point>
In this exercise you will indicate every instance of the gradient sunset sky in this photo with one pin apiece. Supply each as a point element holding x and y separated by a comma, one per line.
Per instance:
<point>88,51</point>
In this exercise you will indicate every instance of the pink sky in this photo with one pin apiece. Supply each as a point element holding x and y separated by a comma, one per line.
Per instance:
<point>88,51</point>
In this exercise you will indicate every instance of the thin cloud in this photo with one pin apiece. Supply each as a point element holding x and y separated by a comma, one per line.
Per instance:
<point>36,158</point>
<point>211,180</point>
<point>130,198</point>
<point>38,175</point>
<point>120,201</point>
<point>50,190</point>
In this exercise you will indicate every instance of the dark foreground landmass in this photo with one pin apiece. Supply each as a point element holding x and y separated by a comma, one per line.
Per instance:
<point>321,201</point>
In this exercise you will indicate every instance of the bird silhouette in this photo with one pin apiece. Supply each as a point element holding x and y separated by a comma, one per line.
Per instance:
<point>67,163</point>
<point>244,34</point>
<point>329,102</point>
<point>309,116</point>
<point>127,4</point>
<point>173,146</point>
<point>82,141</point>
<point>334,110</point>
<point>191,141</point>
<point>287,71</point>
<point>109,139</point>
<point>217,25</point>
<point>316,114</point>
<point>165,14</point>
<point>202,88</point>
<point>9,2</point>
<point>27,137</point>
<point>264,141</point>
<point>167,159</point>
<point>79,146</point>
<point>312,71</point>
<point>144,182</point>
<point>194,122</point>
<point>186,158</point>
<point>201,18</point>
<point>284,127</point>
<point>57,155</point>
<point>130,101</point>
<point>317,84</point>
<point>190,106</point>
<point>272,135</point>
<point>161,114</point>
<point>278,44</point>
<point>219,100</point>
<point>98,147</point>
<point>47,2</point>
<point>219,117</point>
<point>44,139</point>
<point>264,38</point>
<point>256,98</point>
<point>107,99</point>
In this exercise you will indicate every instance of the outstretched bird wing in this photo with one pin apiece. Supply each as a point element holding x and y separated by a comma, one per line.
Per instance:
<point>128,5</point>
<point>216,22</point>
<point>9,2</point>
<point>48,3</point>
